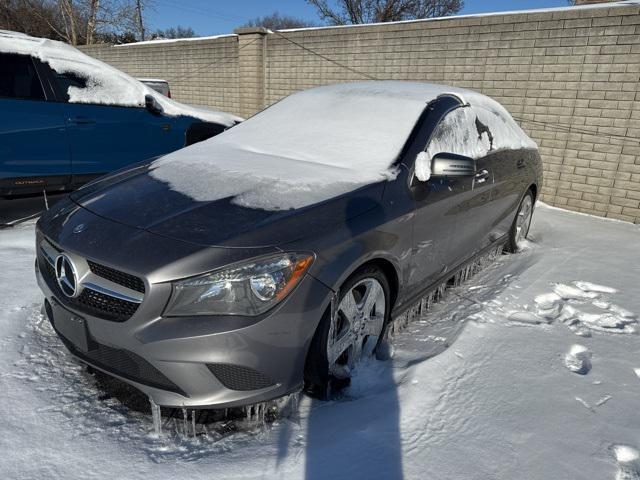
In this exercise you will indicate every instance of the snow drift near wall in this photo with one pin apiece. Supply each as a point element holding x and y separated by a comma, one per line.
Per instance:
<point>106,85</point>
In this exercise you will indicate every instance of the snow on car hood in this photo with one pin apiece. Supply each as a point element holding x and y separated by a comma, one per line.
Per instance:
<point>308,147</point>
<point>105,84</point>
<point>313,145</point>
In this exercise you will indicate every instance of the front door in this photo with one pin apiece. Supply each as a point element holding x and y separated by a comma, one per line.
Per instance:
<point>438,204</point>
<point>34,148</point>
<point>453,217</point>
<point>105,138</point>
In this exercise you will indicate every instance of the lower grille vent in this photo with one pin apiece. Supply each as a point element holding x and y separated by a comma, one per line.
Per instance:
<point>125,364</point>
<point>236,377</point>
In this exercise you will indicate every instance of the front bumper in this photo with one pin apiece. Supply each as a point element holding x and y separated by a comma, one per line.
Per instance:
<point>196,362</point>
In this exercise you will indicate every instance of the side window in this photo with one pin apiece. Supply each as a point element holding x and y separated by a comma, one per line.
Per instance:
<point>463,132</point>
<point>18,78</point>
<point>68,80</point>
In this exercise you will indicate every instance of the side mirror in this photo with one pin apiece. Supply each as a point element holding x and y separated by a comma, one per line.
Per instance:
<point>151,104</point>
<point>452,165</point>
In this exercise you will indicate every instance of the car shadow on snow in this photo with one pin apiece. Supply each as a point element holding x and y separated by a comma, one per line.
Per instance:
<point>344,438</point>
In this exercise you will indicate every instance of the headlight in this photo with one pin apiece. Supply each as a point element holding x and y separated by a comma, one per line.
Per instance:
<point>249,288</point>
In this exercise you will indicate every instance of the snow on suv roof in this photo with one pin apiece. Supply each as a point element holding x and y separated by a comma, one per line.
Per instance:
<point>313,145</point>
<point>105,84</point>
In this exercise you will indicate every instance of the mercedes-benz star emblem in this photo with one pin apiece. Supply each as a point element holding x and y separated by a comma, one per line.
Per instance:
<point>81,227</point>
<point>66,276</point>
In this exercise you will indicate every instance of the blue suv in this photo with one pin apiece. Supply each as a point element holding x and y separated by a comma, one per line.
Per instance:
<point>68,118</point>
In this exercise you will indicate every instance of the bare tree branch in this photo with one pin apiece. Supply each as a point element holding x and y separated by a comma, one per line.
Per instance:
<point>341,12</point>
<point>94,6</point>
<point>275,21</point>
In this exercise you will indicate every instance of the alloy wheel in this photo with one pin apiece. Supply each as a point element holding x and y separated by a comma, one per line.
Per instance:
<point>356,326</point>
<point>523,220</point>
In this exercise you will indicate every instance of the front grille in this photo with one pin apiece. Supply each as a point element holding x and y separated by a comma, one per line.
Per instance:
<point>89,301</point>
<point>123,363</point>
<point>236,377</point>
<point>105,306</point>
<point>116,276</point>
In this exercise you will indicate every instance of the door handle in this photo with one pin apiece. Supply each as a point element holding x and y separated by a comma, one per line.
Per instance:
<point>82,120</point>
<point>520,163</point>
<point>482,176</point>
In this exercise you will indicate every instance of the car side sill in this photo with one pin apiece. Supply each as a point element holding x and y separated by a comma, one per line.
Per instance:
<point>409,303</point>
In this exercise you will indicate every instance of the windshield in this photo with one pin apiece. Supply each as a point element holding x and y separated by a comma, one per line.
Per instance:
<point>360,130</point>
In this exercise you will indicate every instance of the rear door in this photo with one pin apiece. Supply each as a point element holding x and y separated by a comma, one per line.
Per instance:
<point>34,148</point>
<point>507,170</point>
<point>511,181</point>
<point>104,138</point>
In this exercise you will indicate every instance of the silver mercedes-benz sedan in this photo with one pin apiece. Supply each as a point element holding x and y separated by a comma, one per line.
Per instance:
<point>272,257</point>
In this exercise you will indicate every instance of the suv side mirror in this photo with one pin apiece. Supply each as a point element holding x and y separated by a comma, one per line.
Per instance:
<point>151,104</point>
<point>452,165</point>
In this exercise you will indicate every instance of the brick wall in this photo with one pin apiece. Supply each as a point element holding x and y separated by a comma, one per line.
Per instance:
<point>571,77</point>
<point>200,72</point>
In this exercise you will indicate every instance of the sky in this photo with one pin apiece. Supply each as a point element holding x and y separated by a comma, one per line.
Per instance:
<point>209,17</point>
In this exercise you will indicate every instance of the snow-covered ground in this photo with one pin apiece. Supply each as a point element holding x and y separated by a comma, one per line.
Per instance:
<point>543,382</point>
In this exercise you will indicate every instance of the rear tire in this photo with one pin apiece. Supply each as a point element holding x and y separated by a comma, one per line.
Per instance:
<point>520,227</point>
<point>339,344</point>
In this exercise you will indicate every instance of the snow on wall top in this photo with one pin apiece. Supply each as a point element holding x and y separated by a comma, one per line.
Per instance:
<point>105,84</point>
<point>175,40</point>
<point>308,147</point>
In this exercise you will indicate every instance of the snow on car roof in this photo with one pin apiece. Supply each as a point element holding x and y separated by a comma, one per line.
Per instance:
<point>105,84</point>
<point>308,147</point>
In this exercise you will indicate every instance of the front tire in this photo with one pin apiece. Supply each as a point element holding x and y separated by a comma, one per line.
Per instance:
<point>356,329</point>
<point>522,222</point>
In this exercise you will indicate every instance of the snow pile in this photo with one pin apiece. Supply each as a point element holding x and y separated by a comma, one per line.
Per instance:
<point>578,360</point>
<point>104,84</point>
<point>574,306</point>
<point>592,287</point>
<point>628,459</point>
<point>549,305</point>
<point>423,166</point>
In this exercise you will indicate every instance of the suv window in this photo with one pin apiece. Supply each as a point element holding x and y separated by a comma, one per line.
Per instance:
<point>66,80</point>
<point>18,78</point>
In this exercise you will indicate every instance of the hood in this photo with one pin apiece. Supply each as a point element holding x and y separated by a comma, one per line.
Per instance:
<point>206,114</point>
<point>137,199</point>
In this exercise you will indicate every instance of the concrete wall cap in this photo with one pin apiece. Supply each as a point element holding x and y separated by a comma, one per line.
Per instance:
<point>251,30</point>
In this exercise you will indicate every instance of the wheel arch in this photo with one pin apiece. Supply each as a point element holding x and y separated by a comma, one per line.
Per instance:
<point>389,271</point>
